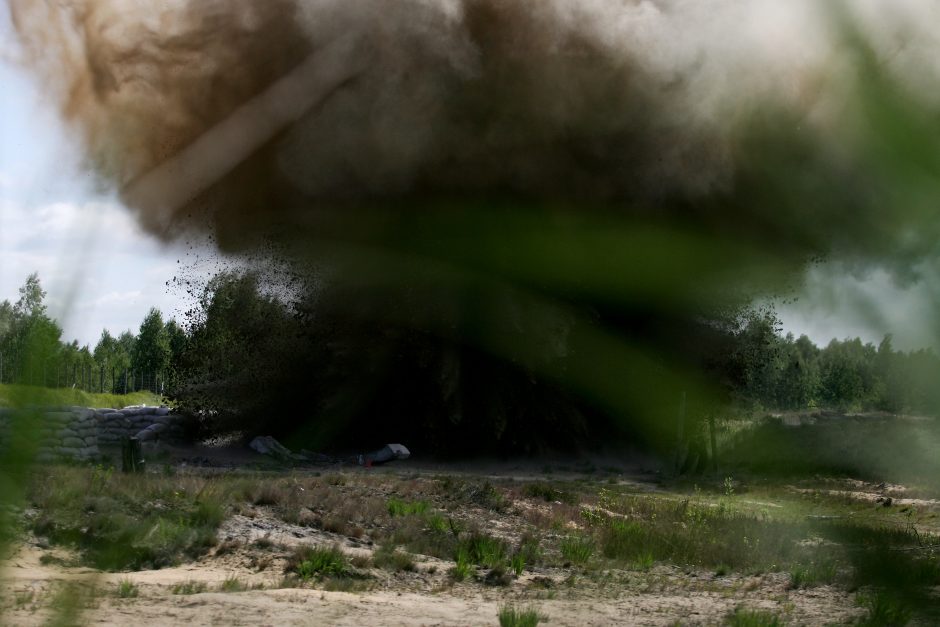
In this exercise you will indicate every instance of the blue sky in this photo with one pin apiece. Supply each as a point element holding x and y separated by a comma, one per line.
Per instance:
<point>99,269</point>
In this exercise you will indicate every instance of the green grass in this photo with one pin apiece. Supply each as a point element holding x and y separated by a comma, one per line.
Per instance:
<point>126,522</point>
<point>127,589</point>
<point>753,618</point>
<point>510,616</point>
<point>317,562</point>
<point>399,507</point>
<point>884,610</point>
<point>813,574</point>
<point>577,550</point>
<point>43,396</point>
<point>482,549</point>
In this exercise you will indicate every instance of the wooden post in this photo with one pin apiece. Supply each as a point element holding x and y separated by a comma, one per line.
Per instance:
<point>680,423</point>
<point>714,442</point>
<point>131,457</point>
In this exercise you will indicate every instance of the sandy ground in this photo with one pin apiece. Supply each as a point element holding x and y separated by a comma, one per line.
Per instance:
<point>663,595</point>
<point>669,595</point>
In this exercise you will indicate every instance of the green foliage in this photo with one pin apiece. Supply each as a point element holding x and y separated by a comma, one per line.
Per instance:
<point>151,352</point>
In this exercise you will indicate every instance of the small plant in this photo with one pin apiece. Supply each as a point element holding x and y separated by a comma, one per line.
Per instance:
<point>310,562</point>
<point>510,616</point>
<point>462,566</point>
<point>483,549</point>
<point>728,485</point>
<point>399,507</point>
<point>127,589</point>
<point>644,561</point>
<point>577,550</point>
<point>517,563</point>
<point>188,587</point>
<point>742,617</point>
<point>232,584</point>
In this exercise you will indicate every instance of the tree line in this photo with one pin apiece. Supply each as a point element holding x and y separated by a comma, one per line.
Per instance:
<point>781,372</point>
<point>32,349</point>
<point>249,360</point>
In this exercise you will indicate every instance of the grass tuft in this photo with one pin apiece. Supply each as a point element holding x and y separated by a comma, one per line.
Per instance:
<point>317,562</point>
<point>188,587</point>
<point>577,550</point>
<point>399,507</point>
<point>510,616</point>
<point>742,617</point>
<point>390,558</point>
<point>127,589</point>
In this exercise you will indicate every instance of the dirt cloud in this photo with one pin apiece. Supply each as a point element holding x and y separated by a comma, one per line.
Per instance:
<point>237,115</point>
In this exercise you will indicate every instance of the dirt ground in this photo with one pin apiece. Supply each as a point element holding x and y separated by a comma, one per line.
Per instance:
<point>661,595</point>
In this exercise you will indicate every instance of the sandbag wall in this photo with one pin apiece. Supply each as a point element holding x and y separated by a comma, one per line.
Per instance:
<point>144,423</point>
<point>63,432</point>
<point>74,433</point>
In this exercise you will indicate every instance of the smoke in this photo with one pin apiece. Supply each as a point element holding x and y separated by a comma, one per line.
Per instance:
<point>613,164</point>
<point>252,113</point>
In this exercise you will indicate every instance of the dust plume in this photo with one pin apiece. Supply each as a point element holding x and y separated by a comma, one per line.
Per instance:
<point>618,102</point>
